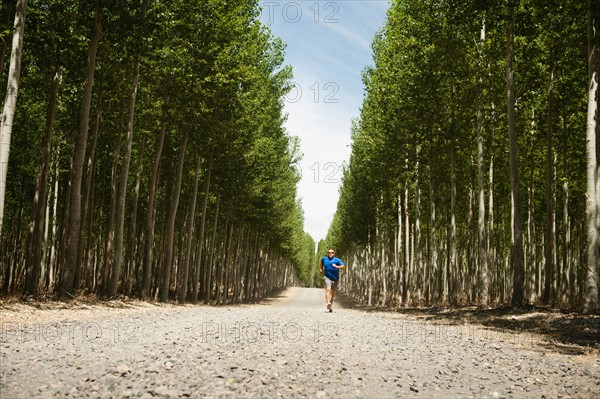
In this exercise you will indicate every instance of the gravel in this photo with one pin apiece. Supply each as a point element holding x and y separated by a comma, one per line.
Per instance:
<point>289,347</point>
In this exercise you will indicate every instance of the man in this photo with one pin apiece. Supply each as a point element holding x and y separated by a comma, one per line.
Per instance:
<point>331,265</point>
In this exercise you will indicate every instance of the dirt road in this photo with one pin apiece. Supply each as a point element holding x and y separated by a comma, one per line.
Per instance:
<point>286,347</point>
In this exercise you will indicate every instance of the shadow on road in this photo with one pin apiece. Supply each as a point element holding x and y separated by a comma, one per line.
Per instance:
<point>564,330</point>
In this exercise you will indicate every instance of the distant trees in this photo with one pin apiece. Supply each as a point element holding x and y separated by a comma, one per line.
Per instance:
<point>165,170</point>
<point>437,205</point>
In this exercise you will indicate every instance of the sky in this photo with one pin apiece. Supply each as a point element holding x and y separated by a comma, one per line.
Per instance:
<point>328,46</point>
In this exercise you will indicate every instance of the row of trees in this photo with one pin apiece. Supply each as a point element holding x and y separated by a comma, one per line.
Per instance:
<point>148,156</point>
<point>473,177</point>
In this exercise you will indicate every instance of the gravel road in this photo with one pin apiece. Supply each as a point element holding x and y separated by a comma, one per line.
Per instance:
<point>286,347</point>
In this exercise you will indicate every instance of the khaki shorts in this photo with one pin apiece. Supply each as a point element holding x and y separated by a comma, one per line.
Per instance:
<point>331,283</point>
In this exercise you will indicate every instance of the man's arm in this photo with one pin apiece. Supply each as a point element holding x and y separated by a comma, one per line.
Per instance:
<point>321,268</point>
<point>340,265</point>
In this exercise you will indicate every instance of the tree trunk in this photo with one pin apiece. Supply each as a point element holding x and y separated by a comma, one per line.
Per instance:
<point>43,262</point>
<point>53,245</point>
<point>532,266</point>
<point>217,260</point>
<point>10,102</point>
<point>418,253</point>
<point>491,232</point>
<point>110,230</point>
<point>132,265</point>
<point>226,262</point>
<point>87,211</point>
<point>39,201</point>
<point>591,293</point>
<point>247,265</point>
<point>483,255</point>
<point>149,244</point>
<point>166,281</point>
<point>209,265</point>
<point>122,191</point>
<point>568,277</point>
<point>256,270</point>
<point>221,262</point>
<point>471,277</point>
<point>199,272</point>
<point>518,255</point>
<point>400,255</point>
<point>237,270</point>
<point>549,233</point>
<point>190,233</point>
<point>454,272</point>
<point>68,275</point>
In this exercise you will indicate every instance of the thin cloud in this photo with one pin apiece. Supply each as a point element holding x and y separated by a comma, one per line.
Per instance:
<point>351,36</point>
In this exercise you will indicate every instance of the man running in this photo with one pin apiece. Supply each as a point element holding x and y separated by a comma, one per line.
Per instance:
<point>331,265</point>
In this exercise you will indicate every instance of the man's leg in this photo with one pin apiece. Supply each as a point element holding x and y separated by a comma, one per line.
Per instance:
<point>333,291</point>
<point>328,292</point>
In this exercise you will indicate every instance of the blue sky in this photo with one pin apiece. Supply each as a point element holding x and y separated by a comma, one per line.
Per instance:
<point>328,45</point>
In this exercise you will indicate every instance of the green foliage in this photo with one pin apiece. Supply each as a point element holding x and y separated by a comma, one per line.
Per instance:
<point>219,75</point>
<point>431,70</point>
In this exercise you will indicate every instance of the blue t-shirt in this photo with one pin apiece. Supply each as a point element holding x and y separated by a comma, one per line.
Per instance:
<point>331,272</point>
